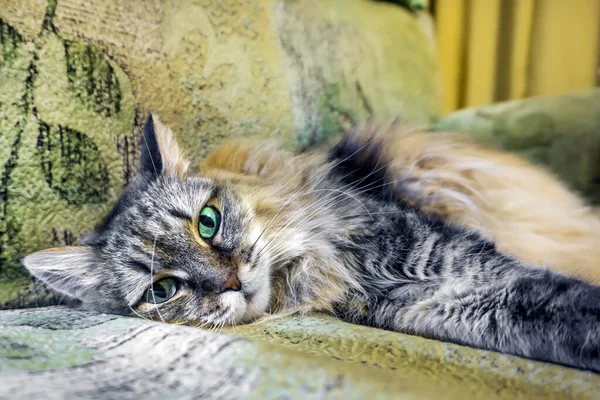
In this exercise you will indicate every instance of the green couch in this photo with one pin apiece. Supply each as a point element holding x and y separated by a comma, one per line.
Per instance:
<point>76,79</point>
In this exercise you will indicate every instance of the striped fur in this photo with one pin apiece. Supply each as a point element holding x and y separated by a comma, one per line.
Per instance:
<point>324,231</point>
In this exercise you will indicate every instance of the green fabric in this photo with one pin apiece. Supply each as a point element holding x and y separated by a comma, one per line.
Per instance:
<point>561,133</point>
<point>77,77</point>
<point>59,353</point>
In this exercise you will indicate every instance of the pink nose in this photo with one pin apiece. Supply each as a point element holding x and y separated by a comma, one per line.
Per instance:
<point>232,282</point>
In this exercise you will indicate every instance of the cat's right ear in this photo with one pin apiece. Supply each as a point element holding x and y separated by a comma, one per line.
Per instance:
<point>160,153</point>
<point>69,270</point>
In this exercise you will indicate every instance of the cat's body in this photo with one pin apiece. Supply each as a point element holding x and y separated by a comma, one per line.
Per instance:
<point>264,231</point>
<point>525,210</point>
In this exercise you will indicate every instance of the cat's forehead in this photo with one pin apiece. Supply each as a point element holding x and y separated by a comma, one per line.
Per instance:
<point>165,195</point>
<point>146,204</point>
<point>168,192</point>
<point>167,207</point>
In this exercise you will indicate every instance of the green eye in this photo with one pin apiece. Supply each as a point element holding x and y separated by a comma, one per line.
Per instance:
<point>161,291</point>
<point>208,223</point>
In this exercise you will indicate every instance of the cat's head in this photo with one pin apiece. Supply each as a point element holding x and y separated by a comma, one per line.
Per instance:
<point>175,247</point>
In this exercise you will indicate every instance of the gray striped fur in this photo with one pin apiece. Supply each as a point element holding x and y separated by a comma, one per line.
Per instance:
<point>341,242</point>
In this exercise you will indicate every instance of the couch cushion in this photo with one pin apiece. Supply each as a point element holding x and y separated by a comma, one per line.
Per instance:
<point>60,353</point>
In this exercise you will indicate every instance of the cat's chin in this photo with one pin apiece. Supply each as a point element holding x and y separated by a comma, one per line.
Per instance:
<point>245,307</point>
<point>258,303</point>
<point>251,303</point>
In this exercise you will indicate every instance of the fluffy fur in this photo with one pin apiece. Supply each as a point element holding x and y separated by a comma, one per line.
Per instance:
<point>337,231</point>
<point>524,209</point>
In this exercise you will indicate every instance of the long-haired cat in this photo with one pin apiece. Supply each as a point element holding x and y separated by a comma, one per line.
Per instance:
<point>258,231</point>
<point>524,209</point>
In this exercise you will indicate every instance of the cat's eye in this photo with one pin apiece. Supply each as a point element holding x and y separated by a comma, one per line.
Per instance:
<point>208,223</point>
<point>161,291</point>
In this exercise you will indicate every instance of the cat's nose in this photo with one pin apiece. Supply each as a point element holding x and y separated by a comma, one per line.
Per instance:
<point>232,282</point>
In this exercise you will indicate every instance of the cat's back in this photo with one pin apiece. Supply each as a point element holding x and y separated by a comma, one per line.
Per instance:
<point>526,209</point>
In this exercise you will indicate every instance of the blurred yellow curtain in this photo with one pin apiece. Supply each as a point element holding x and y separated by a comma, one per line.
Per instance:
<point>494,50</point>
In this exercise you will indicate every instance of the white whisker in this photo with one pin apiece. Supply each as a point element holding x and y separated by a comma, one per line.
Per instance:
<point>152,279</point>
<point>138,314</point>
<point>323,173</point>
<point>321,201</point>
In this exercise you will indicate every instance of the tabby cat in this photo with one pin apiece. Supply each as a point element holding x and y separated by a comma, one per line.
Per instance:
<point>259,231</point>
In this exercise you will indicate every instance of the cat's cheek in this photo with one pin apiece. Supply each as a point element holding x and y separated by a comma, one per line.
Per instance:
<point>259,303</point>
<point>257,293</point>
<point>236,304</point>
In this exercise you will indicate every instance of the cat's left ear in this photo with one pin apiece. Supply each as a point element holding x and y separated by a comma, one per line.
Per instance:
<point>160,153</point>
<point>68,270</point>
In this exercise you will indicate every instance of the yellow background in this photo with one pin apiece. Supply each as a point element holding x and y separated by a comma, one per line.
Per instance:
<point>495,50</point>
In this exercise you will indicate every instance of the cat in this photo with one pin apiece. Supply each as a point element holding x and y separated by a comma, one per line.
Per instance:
<point>524,209</point>
<point>262,231</point>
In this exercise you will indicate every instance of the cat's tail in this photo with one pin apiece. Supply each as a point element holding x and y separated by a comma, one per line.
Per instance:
<point>526,210</point>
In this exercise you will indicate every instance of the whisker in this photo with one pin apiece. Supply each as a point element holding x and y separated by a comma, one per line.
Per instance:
<point>138,314</point>
<point>322,204</point>
<point>349,185</point>
<point>152,279</point>
<point>279,248</point>
<point>279,190</point>
<point>201,326</point>
<point>306,184</point>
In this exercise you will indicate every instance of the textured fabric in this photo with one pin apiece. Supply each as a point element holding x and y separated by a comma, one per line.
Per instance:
<point>58,353</point>
<point>75,77</point>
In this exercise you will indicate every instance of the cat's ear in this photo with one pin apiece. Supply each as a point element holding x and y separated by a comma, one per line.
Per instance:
<point>160,153</point>
<point>69,270</point>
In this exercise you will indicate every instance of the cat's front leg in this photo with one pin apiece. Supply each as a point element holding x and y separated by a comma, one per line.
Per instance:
<point>548,318</point>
